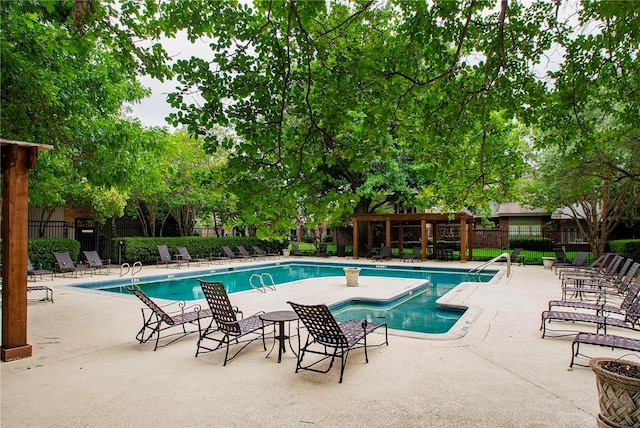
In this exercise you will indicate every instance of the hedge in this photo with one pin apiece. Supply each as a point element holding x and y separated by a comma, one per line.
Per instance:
<point>629,248</point>
<point>532,244</point>
<point>145,250</point>
<point>41,250</point>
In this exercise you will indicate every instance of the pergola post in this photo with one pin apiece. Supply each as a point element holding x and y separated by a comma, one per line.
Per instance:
<point>17,159</point>
<point>463,240</point>
<point>387,225</point>
<point>423,235</point>
<point>355,239</point>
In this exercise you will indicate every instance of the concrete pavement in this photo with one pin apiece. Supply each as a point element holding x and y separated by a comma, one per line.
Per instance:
<point>87,369</point>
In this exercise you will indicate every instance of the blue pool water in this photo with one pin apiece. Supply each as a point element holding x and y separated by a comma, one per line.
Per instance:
<point>414,312</point>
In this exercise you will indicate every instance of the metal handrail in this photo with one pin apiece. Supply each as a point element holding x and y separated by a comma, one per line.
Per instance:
<point>263,287</point>
<point>478,269</point>
<point>130,268</point>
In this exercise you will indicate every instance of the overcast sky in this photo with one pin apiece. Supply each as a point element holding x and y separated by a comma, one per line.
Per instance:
<point>153,110</point>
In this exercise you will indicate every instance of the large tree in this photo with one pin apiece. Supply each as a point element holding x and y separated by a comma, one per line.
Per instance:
<point>348,105</point>
<point>590,141</point>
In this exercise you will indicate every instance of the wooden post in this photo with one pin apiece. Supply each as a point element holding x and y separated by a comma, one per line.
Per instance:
<point>17,159</point>
<point>470,245</point>
<point>387,225</point>
<point>463,240</point>
<point>423,235</point>
<point>355,239</point>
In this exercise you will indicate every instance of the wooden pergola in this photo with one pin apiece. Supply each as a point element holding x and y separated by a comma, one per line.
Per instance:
<point>466,232</point>
<point>17,159</point>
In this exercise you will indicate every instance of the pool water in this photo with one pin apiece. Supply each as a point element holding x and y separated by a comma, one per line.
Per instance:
<point>416,311</point>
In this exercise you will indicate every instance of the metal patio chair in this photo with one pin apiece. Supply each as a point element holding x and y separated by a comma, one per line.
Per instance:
<point>66,265</point>
<point>226,327</point>
<point>158,318</point>
<point>94,261</point>
<point>165,258</point>
<point>332,339</point>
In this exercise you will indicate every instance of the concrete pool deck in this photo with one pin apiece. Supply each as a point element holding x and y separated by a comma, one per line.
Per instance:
<point>88,370</point>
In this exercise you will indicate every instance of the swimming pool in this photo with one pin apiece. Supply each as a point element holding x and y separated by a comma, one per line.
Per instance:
<point>415,311</point>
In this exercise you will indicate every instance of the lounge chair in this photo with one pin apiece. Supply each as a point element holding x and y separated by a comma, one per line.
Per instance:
<point>385,253</point>
<point>516,257</point>
<point>34,273</point>
<point>183,254</point>
<point>245,254</point>
<point>322,251</point>
<point>66,265</point>
<point>596,267</point>
<point>561,256</point>
<point>415,254</point>
<point>165,257</point>
<point>295,249</point>
<point>615,285</point>
<point>578,262</point>
<point>629,321</point>
<point>157,318</point>
<point>94,261</point>
<point>331,339</point>
<point>602,308</point>
<point>609,340</point>
<point>225,327</point>
<point>233,256</point>
<point>263,253</point>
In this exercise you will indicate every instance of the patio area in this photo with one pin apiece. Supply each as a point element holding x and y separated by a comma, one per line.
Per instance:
<point>88,370</point>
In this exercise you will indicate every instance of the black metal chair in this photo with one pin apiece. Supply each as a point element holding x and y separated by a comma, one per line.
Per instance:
<point>65,265</point>
<point>165,257</point>
<point>94,261</point>
<point>226,327</point>
<point>157,319</point>
<point>331,339</point>
<point>415,254</point>
<point>516,257</point>
<point>322,251</point>
<point>385,253</point>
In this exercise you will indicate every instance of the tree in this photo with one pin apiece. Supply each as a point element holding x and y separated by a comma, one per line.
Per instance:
<point>336,104</point>
<point>591,138</point>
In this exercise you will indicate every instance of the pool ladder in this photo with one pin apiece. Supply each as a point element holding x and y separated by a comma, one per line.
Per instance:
<point>478,270</point>
<point>137,267</point>
<point>262,287</point>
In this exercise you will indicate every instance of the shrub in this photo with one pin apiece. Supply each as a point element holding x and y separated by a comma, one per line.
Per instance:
<point>629,248</point>
<point>328,239</point>
<point>41,250</point>
<point>308,239</point>
<point>145,250</point>
<point>532,244</point>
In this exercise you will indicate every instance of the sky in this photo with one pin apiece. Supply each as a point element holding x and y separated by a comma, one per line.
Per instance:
<point>153,110</point>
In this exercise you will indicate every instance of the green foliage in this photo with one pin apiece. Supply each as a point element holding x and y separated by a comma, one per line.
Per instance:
<point>626,247</point>
<point>532,244</point>
<point>145,250</point>
<point>41,250</point>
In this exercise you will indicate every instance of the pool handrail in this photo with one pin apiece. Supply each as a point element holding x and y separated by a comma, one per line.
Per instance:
<point>478,269</point>
<point>263,287</point>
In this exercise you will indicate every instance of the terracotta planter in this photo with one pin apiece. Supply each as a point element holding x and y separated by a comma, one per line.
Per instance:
<point>352,275</point>
<point>618,395</point>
